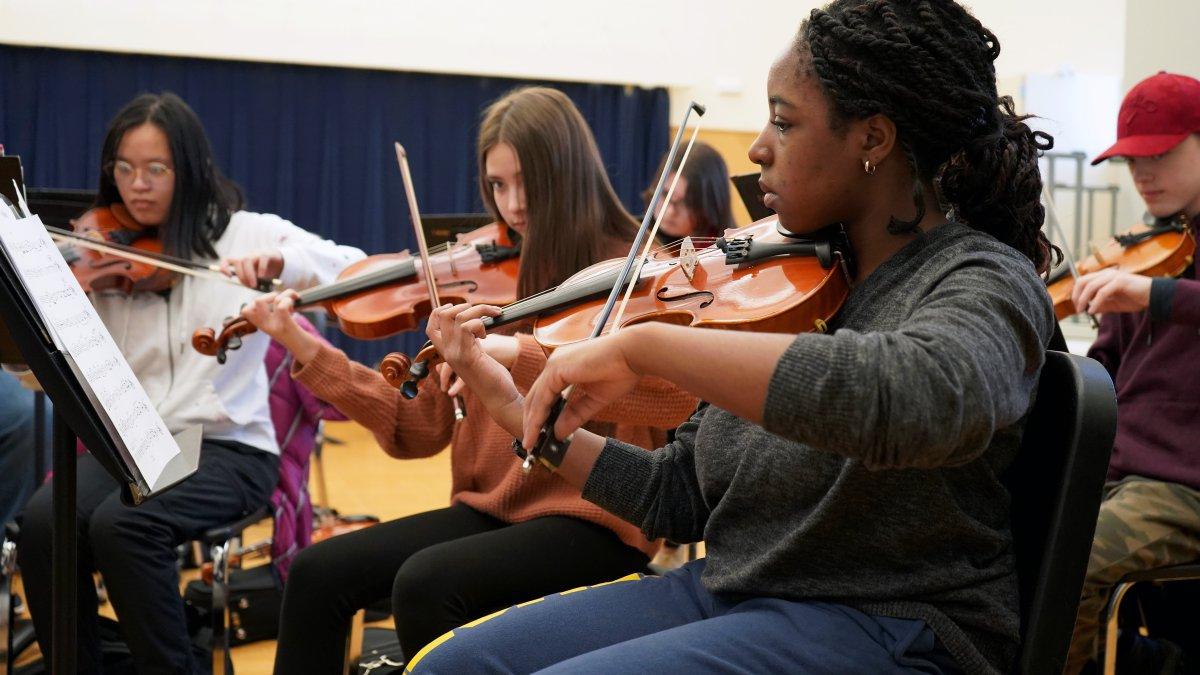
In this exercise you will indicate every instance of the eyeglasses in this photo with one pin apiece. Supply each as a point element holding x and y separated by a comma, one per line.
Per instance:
<point>155,172</point>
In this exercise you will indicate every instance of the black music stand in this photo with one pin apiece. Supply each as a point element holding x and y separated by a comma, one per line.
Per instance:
<point>442,227</point>
<point>25,339</point>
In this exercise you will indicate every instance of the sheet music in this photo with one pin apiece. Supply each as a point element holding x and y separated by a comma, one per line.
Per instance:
<point>78,331</point>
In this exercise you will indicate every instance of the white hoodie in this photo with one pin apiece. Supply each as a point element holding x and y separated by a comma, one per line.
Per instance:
<point>155,332</point>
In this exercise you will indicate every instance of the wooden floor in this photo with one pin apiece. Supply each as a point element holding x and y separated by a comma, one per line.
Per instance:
<point>360,479</point>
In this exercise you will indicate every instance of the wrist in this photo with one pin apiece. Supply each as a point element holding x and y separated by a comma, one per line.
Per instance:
<point>301,344</point>
<point>633,345</point>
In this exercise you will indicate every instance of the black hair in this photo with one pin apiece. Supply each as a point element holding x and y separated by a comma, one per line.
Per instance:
<point>707,189</point>
<point>928,65</point>
<point>204,199</point>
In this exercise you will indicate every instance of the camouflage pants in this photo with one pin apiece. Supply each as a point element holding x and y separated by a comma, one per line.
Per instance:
<point>1143,524</point>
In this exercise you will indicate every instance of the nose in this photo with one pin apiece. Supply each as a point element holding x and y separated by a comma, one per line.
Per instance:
<point>760,151</point>
<point>139,181</point>
<point>1141,172</point>
<point>515,201</point>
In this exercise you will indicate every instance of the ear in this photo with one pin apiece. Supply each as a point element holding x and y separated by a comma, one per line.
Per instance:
<point>878,134</point>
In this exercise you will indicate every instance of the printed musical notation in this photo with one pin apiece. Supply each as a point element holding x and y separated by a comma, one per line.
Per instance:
<point>78,330</point>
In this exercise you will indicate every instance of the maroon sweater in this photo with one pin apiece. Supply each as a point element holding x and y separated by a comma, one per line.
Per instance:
<point>1154,359</point>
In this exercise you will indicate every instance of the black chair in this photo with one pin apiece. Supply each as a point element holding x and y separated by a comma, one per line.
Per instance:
<point>1161,575</point>
<point>225,544</point>
<point>1056,483</point>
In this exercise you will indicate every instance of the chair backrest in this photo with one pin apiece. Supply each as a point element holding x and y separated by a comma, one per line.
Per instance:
<point>1056,482</point>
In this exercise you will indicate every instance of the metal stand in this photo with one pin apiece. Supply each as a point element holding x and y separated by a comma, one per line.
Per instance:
<point>66,554</point>
<point>39,439</point>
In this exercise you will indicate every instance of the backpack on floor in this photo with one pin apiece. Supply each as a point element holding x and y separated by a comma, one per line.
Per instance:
<point>255,597</point>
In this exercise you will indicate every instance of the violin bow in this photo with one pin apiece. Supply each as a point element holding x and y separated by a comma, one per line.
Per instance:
<point>430,283</point>
<point>1048,196</point>
<point>547,444</point>
<point>162,260</point>
<point>641,259</point>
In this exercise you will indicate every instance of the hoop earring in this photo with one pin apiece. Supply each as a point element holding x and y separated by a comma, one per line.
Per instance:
<point>869,168</point>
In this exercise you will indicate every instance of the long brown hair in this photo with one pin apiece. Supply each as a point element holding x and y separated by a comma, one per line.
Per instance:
<point>574,217</point>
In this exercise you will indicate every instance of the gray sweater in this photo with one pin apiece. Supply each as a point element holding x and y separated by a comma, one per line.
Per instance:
<point>874,481</point>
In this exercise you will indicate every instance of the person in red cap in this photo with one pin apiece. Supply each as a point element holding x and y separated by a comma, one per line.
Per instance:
<point>1150,343</point>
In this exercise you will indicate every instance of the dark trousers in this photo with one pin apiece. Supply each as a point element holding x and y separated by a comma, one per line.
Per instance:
<point>673,624</point>
<point>443,569</point>
<point>133,547</point>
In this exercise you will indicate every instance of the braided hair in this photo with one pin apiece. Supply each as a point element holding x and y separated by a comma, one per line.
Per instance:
<point>928,66</point>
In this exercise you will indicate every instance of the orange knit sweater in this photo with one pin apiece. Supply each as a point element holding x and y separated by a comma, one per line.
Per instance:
<point>485,473</point>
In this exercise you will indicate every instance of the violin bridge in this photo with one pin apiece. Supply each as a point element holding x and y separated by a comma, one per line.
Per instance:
<point>687,257</point>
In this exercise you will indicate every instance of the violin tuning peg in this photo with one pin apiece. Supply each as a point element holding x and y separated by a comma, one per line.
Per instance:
<point>235,342</point>
<point>221,357</point>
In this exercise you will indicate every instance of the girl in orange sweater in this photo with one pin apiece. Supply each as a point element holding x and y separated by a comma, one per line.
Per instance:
<point>507,537</point>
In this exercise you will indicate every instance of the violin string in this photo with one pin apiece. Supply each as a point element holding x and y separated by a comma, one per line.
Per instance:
<point>115,248</point>
<point>662,209</point>
<point>369,280</point>
<point>377,277</point>
<point>203,273</point>
<point>537,302</point>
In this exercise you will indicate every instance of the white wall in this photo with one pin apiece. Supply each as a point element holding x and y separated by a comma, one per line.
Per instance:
<point>1159,35</point>
<point>716,51</point>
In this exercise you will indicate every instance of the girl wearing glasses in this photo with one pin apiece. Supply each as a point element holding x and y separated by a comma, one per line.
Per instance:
<point>157,162</point>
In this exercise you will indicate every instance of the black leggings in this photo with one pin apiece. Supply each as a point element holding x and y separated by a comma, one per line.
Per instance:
<point>443,568</point>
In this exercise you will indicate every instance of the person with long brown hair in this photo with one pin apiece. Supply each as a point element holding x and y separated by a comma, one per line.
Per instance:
<point>507,537</point>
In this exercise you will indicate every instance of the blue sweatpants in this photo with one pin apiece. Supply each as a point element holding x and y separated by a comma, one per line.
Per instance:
<point>671,624</point>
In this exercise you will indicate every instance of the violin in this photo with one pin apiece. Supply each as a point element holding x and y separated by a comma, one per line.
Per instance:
<point>759,278</point>
<point>100,270</point>
<point>385,294</point>
<point>1165,248</point>
<point>109,249</point>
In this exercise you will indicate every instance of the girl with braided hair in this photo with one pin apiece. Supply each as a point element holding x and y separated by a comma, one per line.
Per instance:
<point>846,484</point>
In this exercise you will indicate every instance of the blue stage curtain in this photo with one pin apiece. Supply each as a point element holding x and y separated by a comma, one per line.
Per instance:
<point>312,144</point>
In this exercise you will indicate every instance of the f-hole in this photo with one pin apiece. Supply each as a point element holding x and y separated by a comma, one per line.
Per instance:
<point>665,294</point>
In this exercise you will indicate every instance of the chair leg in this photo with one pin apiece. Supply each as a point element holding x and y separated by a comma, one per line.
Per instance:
<point>1112,619</point>
<point>318,467</point>
<point>222,661</point>
<point>8,560</point>
<point>354,642</point>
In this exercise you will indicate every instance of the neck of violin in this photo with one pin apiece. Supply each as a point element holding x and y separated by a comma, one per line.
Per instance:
<point>358,284</point>
<point>563,295</point>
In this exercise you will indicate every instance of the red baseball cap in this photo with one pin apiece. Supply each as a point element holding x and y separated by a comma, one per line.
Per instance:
<point>1156,115</point>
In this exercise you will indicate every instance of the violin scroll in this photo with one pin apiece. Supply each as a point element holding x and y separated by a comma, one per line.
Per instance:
<point>406,374</point>
<point>208,342</point>
<point>394,368</point>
